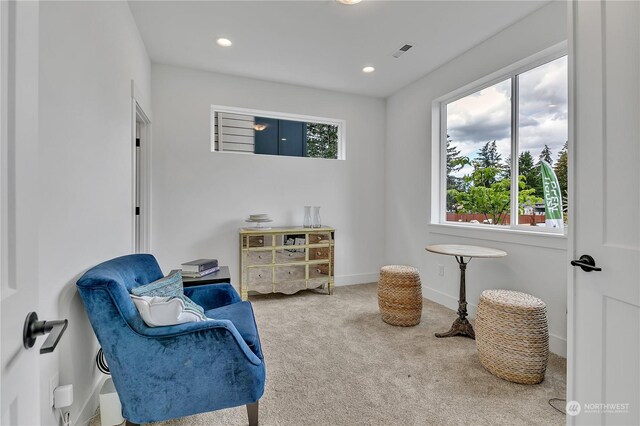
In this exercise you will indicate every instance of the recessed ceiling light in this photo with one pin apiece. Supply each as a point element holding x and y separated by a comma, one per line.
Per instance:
<point>349,2</point>
<point>224,42</point>
<point>368,69</point>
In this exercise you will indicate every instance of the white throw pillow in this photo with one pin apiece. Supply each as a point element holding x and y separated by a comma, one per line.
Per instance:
<point>158,311</point>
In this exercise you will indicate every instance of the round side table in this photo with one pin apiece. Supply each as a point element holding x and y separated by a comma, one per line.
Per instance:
<point>461,326</point>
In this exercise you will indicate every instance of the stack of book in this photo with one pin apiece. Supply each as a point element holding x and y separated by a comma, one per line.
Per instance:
<point>199,268</point>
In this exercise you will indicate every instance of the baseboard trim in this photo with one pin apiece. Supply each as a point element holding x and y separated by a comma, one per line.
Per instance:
<point>356,279</point>
<point>447,300</point>
<point>90,406</point>
<point>557,344</point>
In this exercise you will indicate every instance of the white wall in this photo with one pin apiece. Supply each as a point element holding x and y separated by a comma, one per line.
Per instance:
<point>530,267</point>
<point>89,53</point>
<point>200,198</point>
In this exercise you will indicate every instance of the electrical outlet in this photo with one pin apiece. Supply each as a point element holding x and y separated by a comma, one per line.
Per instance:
<point>441,270</point>
<point>54,381</point>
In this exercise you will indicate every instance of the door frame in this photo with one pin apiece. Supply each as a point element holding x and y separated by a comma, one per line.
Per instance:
<point>140,169</point>
<point>5,264</point>
<point>571,184</point>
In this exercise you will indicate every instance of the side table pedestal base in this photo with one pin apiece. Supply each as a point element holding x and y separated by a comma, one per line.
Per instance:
<point>460,327</point>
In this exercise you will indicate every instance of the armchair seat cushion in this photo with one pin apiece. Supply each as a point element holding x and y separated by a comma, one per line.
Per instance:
<point>241,314</point>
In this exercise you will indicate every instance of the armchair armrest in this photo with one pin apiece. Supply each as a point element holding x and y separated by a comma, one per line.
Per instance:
<point>212,296</point>
<point>202,328</point>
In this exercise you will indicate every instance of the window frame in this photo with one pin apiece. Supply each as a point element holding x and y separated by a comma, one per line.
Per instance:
<point>439,138</point>
<point>340,123</point>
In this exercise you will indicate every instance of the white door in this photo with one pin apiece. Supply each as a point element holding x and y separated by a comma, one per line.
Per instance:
<point>604,352</point>
<point>137,160</point>
<point>20,401</point>
<point>141,176</point>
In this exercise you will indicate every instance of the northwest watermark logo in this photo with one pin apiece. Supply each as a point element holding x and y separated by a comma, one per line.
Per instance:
<point>608,408</point>
<point>573,408</point>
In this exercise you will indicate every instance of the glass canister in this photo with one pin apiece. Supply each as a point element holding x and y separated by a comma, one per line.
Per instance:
<point>307,217</point>
<point>316,222</point>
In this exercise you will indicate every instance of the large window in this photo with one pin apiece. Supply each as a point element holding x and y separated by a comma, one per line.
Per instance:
<point>505,151</point>
<point>261,132</point>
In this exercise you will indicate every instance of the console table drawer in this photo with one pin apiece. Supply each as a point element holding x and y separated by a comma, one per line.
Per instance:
<point>316,253</point>
<point>259,258</point>
<point>259,241</point>
<point>260,275</point>
<point>286,256</point>
<point>316,238</point>
<point>290,273</point>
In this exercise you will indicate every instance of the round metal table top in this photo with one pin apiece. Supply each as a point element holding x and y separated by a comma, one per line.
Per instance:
<point>465,250</point>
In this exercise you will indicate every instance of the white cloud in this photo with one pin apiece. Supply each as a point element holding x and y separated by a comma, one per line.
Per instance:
<point>486,115</point>
<point>481,117</point>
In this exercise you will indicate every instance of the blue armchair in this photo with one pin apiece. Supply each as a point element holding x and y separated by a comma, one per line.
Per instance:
<point>163,373</point>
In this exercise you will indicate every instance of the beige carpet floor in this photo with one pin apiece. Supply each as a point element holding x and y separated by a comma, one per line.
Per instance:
<point>331,360</point>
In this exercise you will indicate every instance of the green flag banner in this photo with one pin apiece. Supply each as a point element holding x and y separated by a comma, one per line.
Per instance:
<point>552,196</point>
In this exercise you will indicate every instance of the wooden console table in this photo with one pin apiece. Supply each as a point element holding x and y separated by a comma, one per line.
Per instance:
<point>268,264</point>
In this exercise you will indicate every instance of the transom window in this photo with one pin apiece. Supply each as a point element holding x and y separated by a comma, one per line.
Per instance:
<point>269,133</point>
<point>504,151</point>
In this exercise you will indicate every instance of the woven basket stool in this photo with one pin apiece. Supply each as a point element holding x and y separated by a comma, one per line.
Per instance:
<point>400,295</point>
<point>512,335</point>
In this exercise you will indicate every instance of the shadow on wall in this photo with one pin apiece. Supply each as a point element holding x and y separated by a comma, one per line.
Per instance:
<point>77,349</point>
<point>229,235</point>
<point>215,244</point>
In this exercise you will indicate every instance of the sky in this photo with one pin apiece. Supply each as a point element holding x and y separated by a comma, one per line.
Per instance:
<point>486,115</point>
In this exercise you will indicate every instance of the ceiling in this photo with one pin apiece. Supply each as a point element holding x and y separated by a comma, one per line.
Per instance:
<point>321,44</point>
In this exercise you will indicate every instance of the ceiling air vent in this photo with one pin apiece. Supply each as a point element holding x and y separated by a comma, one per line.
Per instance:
<point>402,49</point>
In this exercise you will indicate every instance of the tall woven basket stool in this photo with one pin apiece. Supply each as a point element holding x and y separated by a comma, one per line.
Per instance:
<point>512,336</point>
<point>400,295</point>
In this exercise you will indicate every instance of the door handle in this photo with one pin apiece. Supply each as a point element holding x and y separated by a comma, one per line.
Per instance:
<point>34,328</point>
<point>587,263</point>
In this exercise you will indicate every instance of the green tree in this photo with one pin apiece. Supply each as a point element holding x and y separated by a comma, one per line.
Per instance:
<point>455,162</point>
<point>487,166</point>
<point>528,169</point>
<point>506,169</point>
<point>322,140</point>
<point>561,169</point>
<point>492,201</point>
<point>488,156</point>
<point>487,189</point>
<point>546,155</point>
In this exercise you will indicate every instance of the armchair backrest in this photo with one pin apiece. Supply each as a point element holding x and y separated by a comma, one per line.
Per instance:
<point>106,287</point>
<point>130,271</point>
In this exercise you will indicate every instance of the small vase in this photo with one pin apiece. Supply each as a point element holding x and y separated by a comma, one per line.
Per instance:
<point>316,217</point>
<point>307,217</point>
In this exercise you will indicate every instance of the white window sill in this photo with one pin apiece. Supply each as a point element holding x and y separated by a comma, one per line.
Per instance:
<point>506,235</point>
<point>274,156</point>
